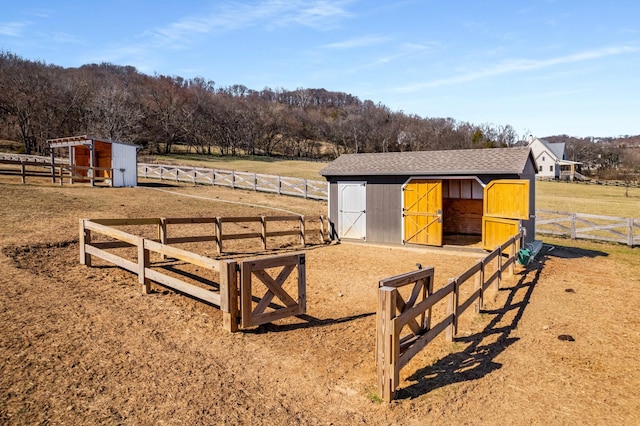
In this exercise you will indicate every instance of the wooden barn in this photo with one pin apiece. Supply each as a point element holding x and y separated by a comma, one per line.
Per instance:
<point>433,197</point>
<point>116,162</point>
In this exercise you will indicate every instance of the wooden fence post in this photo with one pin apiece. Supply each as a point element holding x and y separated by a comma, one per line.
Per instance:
<point>452,308</point>
<point>302,232</point>
<point>427,319</point>
<point>143,264</point>
<point>512,254</point>
<point>302,282</point>
<point>388,350</point>
<point>499,278</point>
<point>263,231</point>
<point>630,235</point>
<point>229,294</point>
<point>219,234</point>
<point>85,238</point>
<point>162,234</point>
<point>22,171</point>
<point>53,167</point>
<point>573,226</point>
<point>479,285</point>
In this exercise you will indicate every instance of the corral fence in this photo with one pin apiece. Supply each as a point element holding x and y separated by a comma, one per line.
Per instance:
<point>42,167</point>
<point>623,230</point>
<point>244,290</point>
<point>582,179</point>
<point>405,303</point>
<point>307,188</point>
<point>573,225</point>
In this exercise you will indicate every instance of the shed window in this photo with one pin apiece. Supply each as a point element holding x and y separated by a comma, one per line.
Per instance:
<point>551,168</point>
<point>540,168</point>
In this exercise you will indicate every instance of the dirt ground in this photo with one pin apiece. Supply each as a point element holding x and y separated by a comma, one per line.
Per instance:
<point>557,344</point>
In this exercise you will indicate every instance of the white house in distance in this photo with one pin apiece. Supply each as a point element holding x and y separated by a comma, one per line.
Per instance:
<point>551,160</point>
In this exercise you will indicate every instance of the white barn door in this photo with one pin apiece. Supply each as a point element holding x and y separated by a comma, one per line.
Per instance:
<point>352,210</point>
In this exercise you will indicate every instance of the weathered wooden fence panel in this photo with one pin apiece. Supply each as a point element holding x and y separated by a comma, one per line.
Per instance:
<point>404,326</point>
<point>235,285</point>
<point>33,166</point>
<point>254,312</point>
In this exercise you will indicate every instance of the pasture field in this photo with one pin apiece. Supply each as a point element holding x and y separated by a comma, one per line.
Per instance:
<point>82,345</point>
<point>253,164</point>
<point>592,199</point>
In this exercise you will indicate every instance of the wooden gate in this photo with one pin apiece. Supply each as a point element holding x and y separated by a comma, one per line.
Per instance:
<point>506,202</point>
<point>279,283</point>
<point>422,212</point>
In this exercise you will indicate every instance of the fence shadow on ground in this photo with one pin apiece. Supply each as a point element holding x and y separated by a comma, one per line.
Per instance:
<point>309,322</point>
<point>478,359</point>
<point>568,252</point>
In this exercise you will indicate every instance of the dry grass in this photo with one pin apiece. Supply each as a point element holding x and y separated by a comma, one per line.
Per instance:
<point>82,346</point>
<point>593,199</point>
<point>252,164</point>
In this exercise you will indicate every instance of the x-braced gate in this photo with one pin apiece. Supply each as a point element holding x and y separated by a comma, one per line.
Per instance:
<point>268,289</point>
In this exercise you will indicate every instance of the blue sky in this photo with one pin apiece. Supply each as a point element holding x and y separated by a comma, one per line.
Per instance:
<point>545,67</point>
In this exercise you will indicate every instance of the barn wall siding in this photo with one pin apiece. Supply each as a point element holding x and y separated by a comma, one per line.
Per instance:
<point>384,205</point>
<point>384,208</point>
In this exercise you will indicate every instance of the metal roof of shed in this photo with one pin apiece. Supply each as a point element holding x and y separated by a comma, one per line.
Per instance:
<point>83,140</point>
<point>452,162</point>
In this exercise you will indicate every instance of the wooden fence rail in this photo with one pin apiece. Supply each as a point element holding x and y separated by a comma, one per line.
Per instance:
<point>234,295</point>
<point>589,226</point>
<point>404,327</point>
<point>26,167</point>
<point>219,233</point>
<point>581,179</point>
<point>283,185</point>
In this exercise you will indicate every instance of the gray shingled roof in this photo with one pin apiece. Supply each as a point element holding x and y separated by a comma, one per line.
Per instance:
<point>453,162</point>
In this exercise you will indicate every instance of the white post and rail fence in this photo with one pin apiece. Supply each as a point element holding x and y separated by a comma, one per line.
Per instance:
<point>574,225</point>
<point>298,187</point>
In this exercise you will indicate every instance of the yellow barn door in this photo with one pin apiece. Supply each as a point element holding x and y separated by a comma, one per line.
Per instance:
<point>422,212</point>
<point>506,202</point>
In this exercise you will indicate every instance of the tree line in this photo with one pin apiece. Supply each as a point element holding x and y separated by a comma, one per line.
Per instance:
<point>40,101</point>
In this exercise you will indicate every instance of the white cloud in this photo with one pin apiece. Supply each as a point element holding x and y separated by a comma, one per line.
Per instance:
<point>319,14</point>
<point>357,42</point>
<point>12,29</point>
<point>521,65</point>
